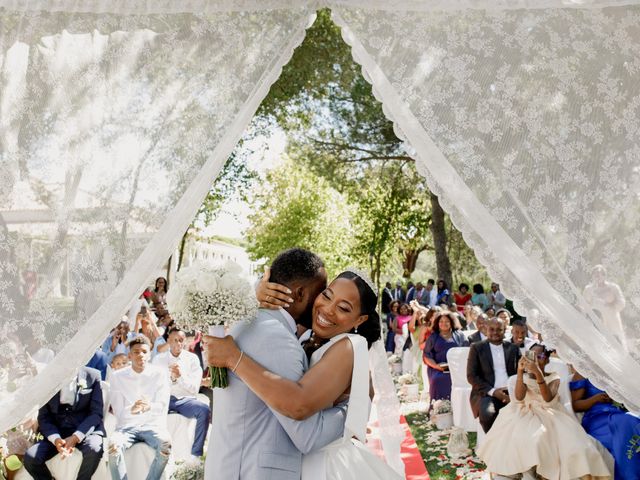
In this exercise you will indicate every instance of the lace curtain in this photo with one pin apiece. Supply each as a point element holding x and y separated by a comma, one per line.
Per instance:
<point>526,124</point>
<point>115,116</point>
<point>113,125</point>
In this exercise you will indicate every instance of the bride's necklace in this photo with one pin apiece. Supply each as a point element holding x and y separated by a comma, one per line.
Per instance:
<point>313,344</point>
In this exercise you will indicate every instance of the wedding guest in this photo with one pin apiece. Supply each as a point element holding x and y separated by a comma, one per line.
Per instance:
<point>519,336</point>
<point>134,308</point>
<point>536,434</point>
<point>608,423</point>
<point>423,336</point>
<point>479,298</point>
<point>159,298</point>
<point>410,290</point>
<point>71,420</point>
<point>139,398</point>
<point>419,294</point>
<point>146,325</point>
<point>402,327</point>
<point>461,297</point>
<point>471,314</point>
<point>119,361</point>
<point>444,336</point>
<point>117,341</point>
<point>496,298</point>
<point>481,324</point>
<point>490,364</point>
<point>443,293</point>
<point>398,293</point>
<point>433,293</point>
<point>185,372</point>
<point>505,316</point>
<point>394,308</point>
<point>386,298</point>
<point>490,312</point>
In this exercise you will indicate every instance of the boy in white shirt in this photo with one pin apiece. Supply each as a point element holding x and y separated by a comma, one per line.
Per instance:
<point>139,398</point>
<point>183,369</point>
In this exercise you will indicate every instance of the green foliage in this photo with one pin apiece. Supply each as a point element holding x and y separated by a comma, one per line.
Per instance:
<point>295,208</point>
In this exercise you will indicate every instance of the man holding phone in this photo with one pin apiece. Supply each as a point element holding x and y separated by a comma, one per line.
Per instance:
<point>491,362</point>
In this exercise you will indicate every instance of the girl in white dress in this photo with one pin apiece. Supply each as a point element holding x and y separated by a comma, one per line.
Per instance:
<point>344,322</point>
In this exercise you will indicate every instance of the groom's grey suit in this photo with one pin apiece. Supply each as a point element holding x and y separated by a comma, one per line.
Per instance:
<point>248,440</point>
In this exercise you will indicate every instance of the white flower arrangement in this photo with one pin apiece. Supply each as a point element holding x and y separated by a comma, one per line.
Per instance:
<point>209,299</point>
<point>440,407</point>
<point>394,359</point>
<point>188,471</point>
<point>203,296</point>
<point>407,379</point>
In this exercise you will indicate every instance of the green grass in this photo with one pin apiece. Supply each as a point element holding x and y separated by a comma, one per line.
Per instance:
<point>433,448</point>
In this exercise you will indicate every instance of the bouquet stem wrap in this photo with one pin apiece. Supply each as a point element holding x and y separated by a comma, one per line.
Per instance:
<point>219,376</point>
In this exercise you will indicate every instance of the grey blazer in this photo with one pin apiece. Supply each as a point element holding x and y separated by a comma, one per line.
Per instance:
<point>248,440</point>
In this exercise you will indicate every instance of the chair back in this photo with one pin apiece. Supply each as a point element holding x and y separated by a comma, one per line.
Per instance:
<point>457,360</point>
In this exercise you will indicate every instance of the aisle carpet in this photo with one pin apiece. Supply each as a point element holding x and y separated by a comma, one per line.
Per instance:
<point>413,463</point>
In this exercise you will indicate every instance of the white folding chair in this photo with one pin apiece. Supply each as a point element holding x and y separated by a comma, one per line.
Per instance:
<point>460,389</point>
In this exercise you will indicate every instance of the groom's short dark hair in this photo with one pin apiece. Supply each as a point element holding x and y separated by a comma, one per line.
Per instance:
<point>295,264</point>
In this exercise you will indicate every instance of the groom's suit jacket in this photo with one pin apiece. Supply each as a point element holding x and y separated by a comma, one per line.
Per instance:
<point>248,440</point>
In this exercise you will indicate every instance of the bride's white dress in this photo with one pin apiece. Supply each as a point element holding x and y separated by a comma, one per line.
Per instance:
<point>348,458</point>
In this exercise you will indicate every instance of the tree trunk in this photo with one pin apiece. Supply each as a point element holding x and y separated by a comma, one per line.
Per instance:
<point>183,242</point>
<point>438,230</point>
<point>410,260</point>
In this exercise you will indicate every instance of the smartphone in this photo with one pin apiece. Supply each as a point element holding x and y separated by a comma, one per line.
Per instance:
<point>143,309</point>
<point>530,355</point>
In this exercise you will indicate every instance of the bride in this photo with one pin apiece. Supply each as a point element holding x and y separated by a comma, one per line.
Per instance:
<point>344,325</point>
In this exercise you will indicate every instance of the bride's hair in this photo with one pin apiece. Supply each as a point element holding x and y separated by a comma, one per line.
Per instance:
<point>370,328</point>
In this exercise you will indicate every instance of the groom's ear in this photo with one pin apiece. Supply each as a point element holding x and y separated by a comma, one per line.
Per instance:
<point>298,293</point>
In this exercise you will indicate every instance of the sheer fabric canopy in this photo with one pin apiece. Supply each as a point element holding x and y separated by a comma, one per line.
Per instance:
<point>116,116</point>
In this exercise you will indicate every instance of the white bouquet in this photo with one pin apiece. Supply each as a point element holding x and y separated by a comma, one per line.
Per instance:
<point>187,471</point>
<point>211,299</point>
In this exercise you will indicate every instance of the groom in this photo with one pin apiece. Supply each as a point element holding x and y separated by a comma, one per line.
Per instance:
<point>248,439</point>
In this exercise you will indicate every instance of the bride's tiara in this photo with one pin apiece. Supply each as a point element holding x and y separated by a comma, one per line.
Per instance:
<point>364,277</point>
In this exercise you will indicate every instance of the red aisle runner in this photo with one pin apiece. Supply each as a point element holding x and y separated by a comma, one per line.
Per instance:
<point>413,463</point>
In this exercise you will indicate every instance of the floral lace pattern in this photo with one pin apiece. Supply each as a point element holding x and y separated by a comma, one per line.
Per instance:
<point>112,128</point>
<point>525,123</point>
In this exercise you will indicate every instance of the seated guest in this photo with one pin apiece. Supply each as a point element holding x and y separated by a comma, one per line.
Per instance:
<point>481,322</point>
<point>119,361</point>
<point>71,419</point>
<point>461,297</point>
<point>139,399</point>
<point>445,334</point>
<point>116,342</point>
<point>479,298</point>
<point>607,423</point>
<point>535,433</point>
<point>490,312</point>
<point>491,362</point>
<point>147,326</point>
<point>185,372</point>
<point>519,336</point>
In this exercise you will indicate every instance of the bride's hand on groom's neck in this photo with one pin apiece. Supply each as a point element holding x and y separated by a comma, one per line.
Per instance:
<point>272,295</point>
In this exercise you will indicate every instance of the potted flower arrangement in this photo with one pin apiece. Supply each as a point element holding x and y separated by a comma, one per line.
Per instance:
<point>396,364</point>
<point>441,414</point>
<point>409,386</point>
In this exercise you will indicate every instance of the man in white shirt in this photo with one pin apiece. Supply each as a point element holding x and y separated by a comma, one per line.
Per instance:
<point>491,362</point>
<point>139,398</point>
<point>432,292</point>
<point>184,370</point>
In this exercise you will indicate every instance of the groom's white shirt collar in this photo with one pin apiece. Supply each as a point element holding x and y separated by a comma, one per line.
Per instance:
<point>289,319</point>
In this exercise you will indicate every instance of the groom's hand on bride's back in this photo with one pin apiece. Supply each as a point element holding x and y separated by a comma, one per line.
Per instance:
<point>272,295</point>
<point>222,352</point>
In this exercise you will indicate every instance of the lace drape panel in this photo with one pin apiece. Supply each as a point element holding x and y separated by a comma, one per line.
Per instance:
<point>526,124</point>
<point>113,126</point>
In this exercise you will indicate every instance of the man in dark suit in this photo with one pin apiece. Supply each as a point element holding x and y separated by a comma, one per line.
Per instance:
<point>398,293</point>
<point>479,335</point>
<point>71,419</point>
<point>491,363</point>
<point>387,298</point>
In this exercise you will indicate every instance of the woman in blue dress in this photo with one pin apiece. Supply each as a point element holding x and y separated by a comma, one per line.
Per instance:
<point>445,334</point>
<point>609,424</point>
